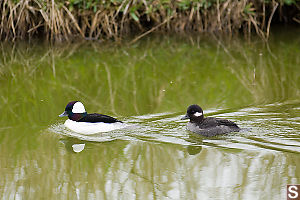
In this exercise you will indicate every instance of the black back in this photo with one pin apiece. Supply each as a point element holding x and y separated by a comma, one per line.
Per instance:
<point>226,122</point>
<point>95,117</point>
<point>211,121</point>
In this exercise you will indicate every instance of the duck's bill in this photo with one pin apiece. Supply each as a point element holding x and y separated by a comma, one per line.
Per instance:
<point>63,114</point>
<point>185,117</point>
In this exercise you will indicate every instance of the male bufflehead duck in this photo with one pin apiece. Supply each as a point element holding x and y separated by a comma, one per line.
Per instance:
<point>81,122</point>
<point>208,126</point>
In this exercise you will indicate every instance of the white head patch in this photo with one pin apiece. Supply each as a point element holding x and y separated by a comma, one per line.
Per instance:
<point>78,108</point>
<point>198,114</point>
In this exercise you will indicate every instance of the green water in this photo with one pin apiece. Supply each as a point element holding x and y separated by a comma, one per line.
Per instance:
<point>149,85</point>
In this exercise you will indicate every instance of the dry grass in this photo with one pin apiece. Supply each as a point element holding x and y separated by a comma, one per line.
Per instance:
<point>57,20</point>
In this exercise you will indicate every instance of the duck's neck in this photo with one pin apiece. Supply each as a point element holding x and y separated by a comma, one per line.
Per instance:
<point>76,116</point>
<point>197,120</point>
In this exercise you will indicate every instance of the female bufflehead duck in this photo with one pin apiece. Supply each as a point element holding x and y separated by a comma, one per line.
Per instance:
<point>81,122</point>
<point>208,126</point>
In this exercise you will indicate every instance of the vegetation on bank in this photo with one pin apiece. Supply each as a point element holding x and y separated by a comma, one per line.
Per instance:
<point>104,19</point>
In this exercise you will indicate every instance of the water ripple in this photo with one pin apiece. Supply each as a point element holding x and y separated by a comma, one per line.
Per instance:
<point>267,127</point>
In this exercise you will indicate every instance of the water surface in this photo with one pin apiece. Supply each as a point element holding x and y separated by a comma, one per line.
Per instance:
<point>149,85</point>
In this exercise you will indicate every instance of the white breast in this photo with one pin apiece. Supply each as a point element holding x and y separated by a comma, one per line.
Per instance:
<point>92,128</point>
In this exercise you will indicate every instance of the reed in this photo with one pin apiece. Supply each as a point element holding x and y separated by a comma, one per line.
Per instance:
<point>58,20</point>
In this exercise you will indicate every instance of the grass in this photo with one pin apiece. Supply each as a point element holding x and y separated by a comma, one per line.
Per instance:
<point>58,20</point>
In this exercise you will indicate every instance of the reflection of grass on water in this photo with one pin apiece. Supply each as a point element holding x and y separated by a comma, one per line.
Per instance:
<point>269,74</point>
<point>121,169</point>
<point>151,76</point>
